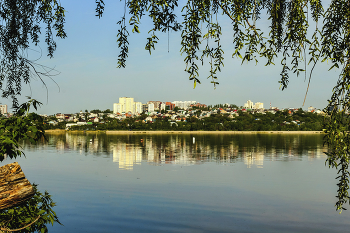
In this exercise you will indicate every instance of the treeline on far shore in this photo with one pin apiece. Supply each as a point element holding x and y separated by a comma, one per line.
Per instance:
<point>243,121</point>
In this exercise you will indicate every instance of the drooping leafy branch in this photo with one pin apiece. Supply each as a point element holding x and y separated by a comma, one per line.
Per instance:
<point>336,48</point>
<point>287,37</point>
<point>20,28</point>
<point>21,126</point>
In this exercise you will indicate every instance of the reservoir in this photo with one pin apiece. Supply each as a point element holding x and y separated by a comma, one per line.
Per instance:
<point>186,182</point>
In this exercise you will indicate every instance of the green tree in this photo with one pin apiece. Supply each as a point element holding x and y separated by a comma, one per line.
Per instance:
<point>96,111</point>
<point>234,106</point>
<point>21,26</point>
<point>37,212</point>
<point>107,111</point>
<point>86,115</point>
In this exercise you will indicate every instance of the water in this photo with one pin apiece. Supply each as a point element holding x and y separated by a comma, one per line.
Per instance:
<point>186,183</point>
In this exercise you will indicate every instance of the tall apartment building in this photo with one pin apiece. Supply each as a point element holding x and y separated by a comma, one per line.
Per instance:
<point>127,104</point>
<point>162,106</point>
<point>3,109</point>
<point>151,107</point>
<point>170,105</point>
<point>249,104</point>
<point>138,107</point>
<point>156,104</point>
<point>144,107</point>
<point>117,108</point>
<point>259,105</point>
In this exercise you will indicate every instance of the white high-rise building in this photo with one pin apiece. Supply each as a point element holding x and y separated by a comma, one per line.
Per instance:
<point>117,108</point>
<point>249,104</point>
<point>156,104</point>
<point>127,104</point>
<point>151,107</point>
<point>162,106</point>
<point>3,109</point>
<point>138,107</point>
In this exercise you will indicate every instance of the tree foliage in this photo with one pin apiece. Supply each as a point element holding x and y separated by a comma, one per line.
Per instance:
<point>201,31</point>
<point>36,213</point>
<point>243,121</point>
<point>31,216</point>
<point>21,126</point>
<point>20,27</point>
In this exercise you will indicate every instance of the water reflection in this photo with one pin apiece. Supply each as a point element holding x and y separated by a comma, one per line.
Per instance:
<point>131,150</point>
<point>126,155</point>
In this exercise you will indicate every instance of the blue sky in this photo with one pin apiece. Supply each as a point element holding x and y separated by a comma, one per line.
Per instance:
<point>88,77</point>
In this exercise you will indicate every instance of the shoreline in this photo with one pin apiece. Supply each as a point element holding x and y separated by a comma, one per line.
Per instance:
<point>60,131</point>
<point>214,132</point>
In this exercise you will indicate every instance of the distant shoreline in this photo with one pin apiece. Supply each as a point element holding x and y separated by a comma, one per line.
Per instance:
<point>59,131</point>
<point>214,132</point>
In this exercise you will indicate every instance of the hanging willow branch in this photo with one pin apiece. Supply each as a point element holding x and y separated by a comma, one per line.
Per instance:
<point>18,229</point>
<point>20,27</point>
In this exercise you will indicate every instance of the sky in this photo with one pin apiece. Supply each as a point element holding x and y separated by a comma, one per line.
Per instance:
<point>86,76</point>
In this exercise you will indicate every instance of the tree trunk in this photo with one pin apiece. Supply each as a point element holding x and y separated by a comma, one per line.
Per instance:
<point>14,187</point>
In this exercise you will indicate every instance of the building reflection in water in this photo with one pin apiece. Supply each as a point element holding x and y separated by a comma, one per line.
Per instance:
<point>126,155</point>
<point>132,150</point>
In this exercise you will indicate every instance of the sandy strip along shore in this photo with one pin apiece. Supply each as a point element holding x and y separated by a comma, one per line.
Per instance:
<point>214,132</point>
<point>58,131</point>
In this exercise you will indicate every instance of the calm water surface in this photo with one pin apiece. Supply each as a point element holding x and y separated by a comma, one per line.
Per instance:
<point>186,183</point>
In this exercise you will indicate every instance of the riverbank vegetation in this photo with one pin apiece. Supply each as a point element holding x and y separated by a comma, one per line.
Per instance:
<point>34,214</point>
<point>240,121</point>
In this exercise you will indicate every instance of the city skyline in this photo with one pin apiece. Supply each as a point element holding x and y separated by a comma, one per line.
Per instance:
<point>85,68</point>
<point>139,107</point>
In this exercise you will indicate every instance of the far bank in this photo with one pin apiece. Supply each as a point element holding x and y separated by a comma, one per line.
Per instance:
<point>214,132</point>
<point>60,131</point>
